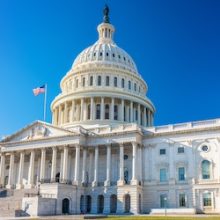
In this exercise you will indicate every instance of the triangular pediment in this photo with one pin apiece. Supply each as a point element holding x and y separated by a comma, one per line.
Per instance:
<point>37,130</point>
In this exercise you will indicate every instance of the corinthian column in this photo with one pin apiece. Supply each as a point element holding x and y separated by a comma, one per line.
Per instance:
<point>131,112</point>
<point>53,165</point>
<point>108,166</point>
<point>19,184</point>
<point>65,164</point>
<point>134,163</point>
<point>121,166</point>
<point>84,165</point>
<point>95,182</point>
<point>77,161</point>
<point>2,170</point>
<point>11,172</point>
<point>31,170</point>
<point>122,109</point>
<point>42,164</point>
<point>102,108</point>
<point>112,109</point>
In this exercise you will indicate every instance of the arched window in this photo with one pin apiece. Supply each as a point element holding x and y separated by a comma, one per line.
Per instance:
<point>127,203</point>
<point>82,204</point>
<point>115,112</point>
<point>107,81</point>
<point>65,206</point>
<point>99,80</point>
<point>129,85</point>
<point>107,111</point>
<point>88,204</point>
<point>122,83</point>
<point>98,111</point>
<point>91,81</point>
<point>113,203</point>
<point>88,112</point>
<point>115,82</point>
<point>205,169</point>
<point>100,204</point>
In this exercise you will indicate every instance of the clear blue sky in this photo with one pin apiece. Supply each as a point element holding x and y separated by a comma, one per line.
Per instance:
<point>175,44</point>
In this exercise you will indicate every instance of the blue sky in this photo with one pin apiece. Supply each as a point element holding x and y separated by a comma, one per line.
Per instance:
<point>175,44</point>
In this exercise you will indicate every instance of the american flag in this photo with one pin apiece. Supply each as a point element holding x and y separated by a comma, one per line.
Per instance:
<point>39,90</point>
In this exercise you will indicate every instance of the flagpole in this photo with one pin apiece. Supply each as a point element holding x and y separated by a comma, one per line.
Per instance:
<point>45,102</point>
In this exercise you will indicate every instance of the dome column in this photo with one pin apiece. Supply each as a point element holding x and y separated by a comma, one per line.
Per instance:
<point>112,109</point>
<point>139,114</point>
<point>82,110</point>
<point>65,112</point>
<point>102,108</point>
<point>122,109</point>
<point>131,112</point>
<point>145,116</point>
<point>92,108</point>
<point>73,110</point>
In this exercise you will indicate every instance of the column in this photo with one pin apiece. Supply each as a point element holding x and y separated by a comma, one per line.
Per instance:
<point>65,164</point>
<point>131,112</point>
<point>77,160</point>
<point>73,111</point>
<point>31,170</point>
<point>139,114</point>
<point>122,109</point>
<point>95,181</point>
<point>148,118</point>
<point>92,113</point>
<point>2,170</point>
<point>82,106</point>
<point>65,112</point>
<point>112,109</point>
<point>53,165</point>
<point>108,166</point>
<point>121,165</point>
<point>60,114</point>
<point>102,109</point>
<point>145,117</point>
<point>134,164</point>
<point>84,165</point>
<point>42,164</point>
<point>11,172</point>
<point>19,184</point>
<point>127,113</point>
<point>90,166</point>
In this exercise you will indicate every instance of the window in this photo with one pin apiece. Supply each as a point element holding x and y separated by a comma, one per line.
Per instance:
<point>122,83</point>
<point>182,200</point>
<point>135,87</point>
<point>163,201</point>
<point>136,114</point>
<point>115,82</point>
<point>106,111</point>
<point>91,81</point>
<point>115,112</point>
<point>100,54</point>
<point>88,112</point>
<point>84,81</point>
<point>207,199</point>
<point>129,85</point>
<point>181,173</point>
<point>99,81</point>
<point>107,81</point>
<point>163,175</point>
<point>98,111</point>
<point>77,83</point>
<point>205,169</point>
<point>180,150</point>
<point>162,151</point>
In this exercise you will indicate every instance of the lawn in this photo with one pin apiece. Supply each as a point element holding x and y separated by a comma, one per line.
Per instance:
<point>205,217</point>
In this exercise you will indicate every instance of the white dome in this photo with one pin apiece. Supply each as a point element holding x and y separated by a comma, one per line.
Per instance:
<point>105,51</point>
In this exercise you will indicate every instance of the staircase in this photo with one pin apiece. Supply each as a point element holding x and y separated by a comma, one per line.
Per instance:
<point>11,201</point>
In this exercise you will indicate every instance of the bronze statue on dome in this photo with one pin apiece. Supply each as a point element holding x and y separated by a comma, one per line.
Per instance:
<point>106,14</point>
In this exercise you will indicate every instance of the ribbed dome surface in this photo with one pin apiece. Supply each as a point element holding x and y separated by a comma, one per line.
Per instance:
<point>105,51</point>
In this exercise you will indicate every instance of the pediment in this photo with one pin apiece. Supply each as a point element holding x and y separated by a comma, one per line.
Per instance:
<point>37,130</point>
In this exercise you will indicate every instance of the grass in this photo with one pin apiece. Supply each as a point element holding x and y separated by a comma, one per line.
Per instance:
<point>205,217</point>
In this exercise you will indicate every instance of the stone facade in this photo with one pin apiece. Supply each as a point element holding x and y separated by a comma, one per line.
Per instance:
<point>102,154</point>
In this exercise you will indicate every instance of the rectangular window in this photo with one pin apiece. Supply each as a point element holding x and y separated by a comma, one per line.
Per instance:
<point>162,151</point>
<point>207,200</point>
<point>99,80</point>
<point>84,81</point>
<point>181,173</point>
<point>115,112</point>
<point>115,82</point>
<point>180,150</point>
<point>91,81</point>
<point>107,81</point>
<point>129,85</point>
<point>163,175</point>
<point>135,87</point>
<point>163,201</point>
<point>77,83</point>
<point>122,83</point>
<point>182,200</point>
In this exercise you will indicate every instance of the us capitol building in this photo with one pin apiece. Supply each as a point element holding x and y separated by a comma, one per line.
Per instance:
<point>102,153</point>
